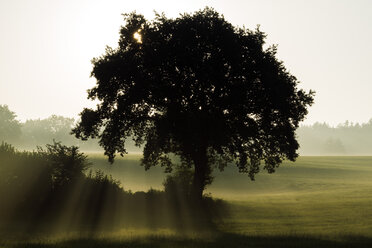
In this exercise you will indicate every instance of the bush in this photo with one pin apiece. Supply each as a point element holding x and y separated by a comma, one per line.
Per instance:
<point>51,188</point>
<point>180,182</point>
<point>67,163</point>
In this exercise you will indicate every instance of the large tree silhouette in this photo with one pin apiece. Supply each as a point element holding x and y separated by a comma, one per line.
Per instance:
<point>199,88</point>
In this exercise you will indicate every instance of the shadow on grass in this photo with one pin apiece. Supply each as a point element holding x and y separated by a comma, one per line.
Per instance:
<point>215,241</point>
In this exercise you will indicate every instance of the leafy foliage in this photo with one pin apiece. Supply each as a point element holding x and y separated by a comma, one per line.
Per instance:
<point>179,184</point>
<point>43,131</point>
<point>10,128</point>
<point>67,163</point>
<point>200,88</point>
<point>49,190</point>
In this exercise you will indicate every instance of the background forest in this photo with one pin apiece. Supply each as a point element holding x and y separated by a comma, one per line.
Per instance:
<point>347,138</point>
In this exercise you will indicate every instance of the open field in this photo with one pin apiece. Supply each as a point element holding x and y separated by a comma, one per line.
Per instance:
<point>315,202</point>
<point>314,195</point>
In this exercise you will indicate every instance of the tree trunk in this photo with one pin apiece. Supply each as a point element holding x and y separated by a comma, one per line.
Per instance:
<point>198,183</point>
<point>199,180</point>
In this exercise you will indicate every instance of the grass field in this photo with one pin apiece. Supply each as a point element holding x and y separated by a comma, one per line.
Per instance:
<point>315,202</point>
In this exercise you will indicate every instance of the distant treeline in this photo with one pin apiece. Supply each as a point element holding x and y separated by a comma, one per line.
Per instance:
<point>31,133</point>
<point>316,139</point>
<point>345,139</point>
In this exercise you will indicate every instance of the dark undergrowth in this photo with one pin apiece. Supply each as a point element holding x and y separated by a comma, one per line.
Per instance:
<point>51,190</point>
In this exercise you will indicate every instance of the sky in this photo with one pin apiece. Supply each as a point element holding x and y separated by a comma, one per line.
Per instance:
<point>46,47</point>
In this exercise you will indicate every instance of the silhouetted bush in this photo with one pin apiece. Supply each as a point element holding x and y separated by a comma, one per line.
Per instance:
<point>180,182</point>
<point>67,163</point>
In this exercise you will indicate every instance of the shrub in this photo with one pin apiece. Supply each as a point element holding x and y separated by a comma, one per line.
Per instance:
<point>67,163</point>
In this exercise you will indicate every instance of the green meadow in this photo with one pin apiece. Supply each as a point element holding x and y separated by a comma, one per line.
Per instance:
<point>314,196</point>
<point>314,202</point>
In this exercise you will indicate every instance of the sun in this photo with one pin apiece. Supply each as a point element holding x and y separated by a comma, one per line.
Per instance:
<point>137,35</point>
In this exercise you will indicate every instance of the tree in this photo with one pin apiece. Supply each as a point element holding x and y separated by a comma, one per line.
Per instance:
<point>10,128</point>
<point>66,162</point>
<point>199,88</point>
<point>334,146</point>
<point>42,131</point>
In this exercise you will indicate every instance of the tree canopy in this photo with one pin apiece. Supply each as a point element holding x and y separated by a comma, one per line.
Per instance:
<point>10,128</point>
<point>43,131</point>
<point>200,88</point>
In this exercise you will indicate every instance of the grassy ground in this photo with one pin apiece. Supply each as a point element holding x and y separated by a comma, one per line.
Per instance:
<point>221,240</point>
<point>315,202</point>
<point>329,196</point>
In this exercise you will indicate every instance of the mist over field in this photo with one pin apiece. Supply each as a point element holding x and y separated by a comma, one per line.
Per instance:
<point>314,202</point>
<point>348,139</point>
<point>344,139</point>
<point>315,196</point>
<point>197,124</point>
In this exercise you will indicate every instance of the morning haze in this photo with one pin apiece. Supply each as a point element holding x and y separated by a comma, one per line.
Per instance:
<point>239,124</point>
<point>46,48</point>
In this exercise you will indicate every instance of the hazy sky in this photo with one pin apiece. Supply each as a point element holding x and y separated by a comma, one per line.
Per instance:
<point>46,47</point>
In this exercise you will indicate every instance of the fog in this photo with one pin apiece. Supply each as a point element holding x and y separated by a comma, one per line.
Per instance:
<point>344,139</point>
<point>318,139</point>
